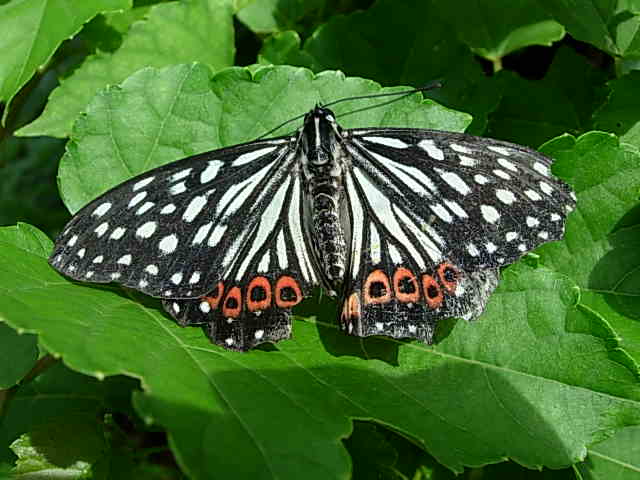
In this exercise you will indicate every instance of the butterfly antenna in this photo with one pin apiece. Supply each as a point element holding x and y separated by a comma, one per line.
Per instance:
<point>430,86</point>
<point>280,126</point>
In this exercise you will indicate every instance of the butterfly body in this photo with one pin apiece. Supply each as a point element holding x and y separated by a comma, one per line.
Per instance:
<point>405,226</point>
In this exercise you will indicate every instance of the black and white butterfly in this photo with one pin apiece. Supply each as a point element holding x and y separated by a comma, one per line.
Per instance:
<point>404,226</point>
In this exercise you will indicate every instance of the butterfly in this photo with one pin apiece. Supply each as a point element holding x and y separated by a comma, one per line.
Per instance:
<point>403,226</point>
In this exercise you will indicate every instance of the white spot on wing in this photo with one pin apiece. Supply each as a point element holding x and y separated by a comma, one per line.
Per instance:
<point>72,241</point>
<point>168,244</point>
<point>251,156</point>
<point>459,148</point>
<point>454,181</point>
<point>195,277</point>
<point>502,174</point>
<point>194,208</point>
<point>137,199</point>
<point>202,233</point>
<point>387,141</point>
<point>125,260</point>
<point>505,196</point>
<point>211,171</point>
<point>81,252</point>
<point>467,161</point>
<point>394,254</point>
<point>532,222</point>
<point>541,168</point>
<point>98,259</point>
<point>263,266</point>
<point>430,147</point>
<point>102,209</point>
<point>178,188</point>
<point>176,278</point>
<point>169,208</point>
<point>473,251</point>
<point>533,195</point>
<point>147,229</point>
<point>216,236</point>
<point>507,164</point>
<point>142,183</point>
<point>441,212</point>
<point>480,179</point>
<point>455,208</point>
<point>281,250</point>
<point>546,188</point>
<point>180,175</point>
<point>151,269</point>
<point>205,307</point>
<point>501,150</point>
<point>102,228</point>
<point>144,208</point>
<point>117,233</point>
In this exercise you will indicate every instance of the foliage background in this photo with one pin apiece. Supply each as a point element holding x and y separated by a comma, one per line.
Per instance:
<point>99,383</point>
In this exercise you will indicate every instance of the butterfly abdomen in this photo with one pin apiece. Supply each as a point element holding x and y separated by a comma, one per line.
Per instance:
<point>327,228</point>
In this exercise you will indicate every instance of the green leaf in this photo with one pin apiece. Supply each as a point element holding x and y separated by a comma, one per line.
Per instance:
<point>407,53</point>
<point>29,166</point>
<point>621,112</point>
<point>57,413</point>
<point>176,32</point>
<point>561,102</point>
<point>268,16</point>
<point>18,353</point>
<point>33,29</point>
<point>495,29</point>
<point>283,48</point>
<point>595,21</point>
<point>507,386</point>
<point>601,247</point>
<point>186,116</point>
<point>618,457</point>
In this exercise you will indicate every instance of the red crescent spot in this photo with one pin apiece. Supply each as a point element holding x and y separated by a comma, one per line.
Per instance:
<point>232,303</point>
<point>377,277</point>
<point>214,297</point>
<point>432,291</point>
<point>400,274</point>
<point>445,270</point>
<point>286,298</point>
<point>254,305</point>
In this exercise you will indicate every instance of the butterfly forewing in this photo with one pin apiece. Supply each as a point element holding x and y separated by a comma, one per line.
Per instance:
<point>178,230</point>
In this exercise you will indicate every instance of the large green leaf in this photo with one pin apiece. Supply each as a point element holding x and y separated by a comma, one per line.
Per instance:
<point>185,116</point>
<point>495,29</point>
<point>538,379</point>
<point>176,32</point>
<point>31,32</point>
<point>608,25</point>
<point>602,247</point>
<point>533,111</point>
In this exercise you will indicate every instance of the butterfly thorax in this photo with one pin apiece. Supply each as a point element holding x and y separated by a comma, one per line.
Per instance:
<point>323,157</point>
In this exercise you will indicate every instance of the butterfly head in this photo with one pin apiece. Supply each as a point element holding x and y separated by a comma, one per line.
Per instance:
<point>319,134</point>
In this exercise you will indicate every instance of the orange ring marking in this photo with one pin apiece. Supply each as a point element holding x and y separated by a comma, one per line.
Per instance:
<point>287,282</point>
<point>232,311</point>
<point>377,276</point>
<point>254,305</point>
<point>428,283</point>
<point>214,300</point>
<point>400,274</point>
<point>450,286</point>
